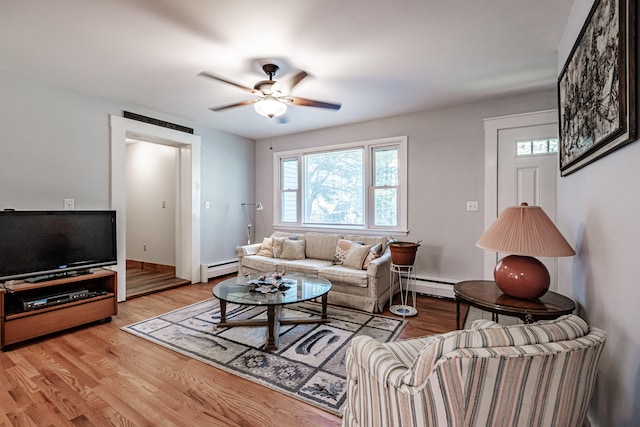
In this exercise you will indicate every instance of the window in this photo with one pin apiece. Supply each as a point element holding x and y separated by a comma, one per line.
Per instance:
<point>537,146</point>
<point>289,189</point>
<point>334,188</point>
<point>385,187</point>
<point>356,185</point>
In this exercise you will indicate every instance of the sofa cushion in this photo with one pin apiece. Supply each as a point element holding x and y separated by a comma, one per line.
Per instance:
<point>320,245</point>
<point>292,249</point>
<point>307,266</point>
<point>260,263</point>
<point>348,276</point>
<point>374,253</point>
<point>369,240</point>
<point>355,257</point>
<point>266,248</point>
<point>292,236</point>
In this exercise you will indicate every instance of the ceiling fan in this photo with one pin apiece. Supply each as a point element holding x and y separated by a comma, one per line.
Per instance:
<point>273,96</point>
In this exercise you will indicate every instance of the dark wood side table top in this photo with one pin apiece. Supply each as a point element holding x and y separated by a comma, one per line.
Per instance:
<point>485,295</point>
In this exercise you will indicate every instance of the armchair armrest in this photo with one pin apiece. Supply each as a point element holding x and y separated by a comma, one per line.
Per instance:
<point>367,356</point>
<point>373,357</point>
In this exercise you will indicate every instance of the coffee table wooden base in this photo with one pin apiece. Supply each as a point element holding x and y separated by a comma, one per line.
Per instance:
<point>273,322</point>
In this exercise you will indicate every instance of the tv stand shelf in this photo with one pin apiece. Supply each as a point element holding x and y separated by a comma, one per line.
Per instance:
<point>18,325</point>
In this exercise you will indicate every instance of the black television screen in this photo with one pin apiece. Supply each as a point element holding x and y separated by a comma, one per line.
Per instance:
<point>47,243</point>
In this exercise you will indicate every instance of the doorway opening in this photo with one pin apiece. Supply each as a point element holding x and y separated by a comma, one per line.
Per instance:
<point>187,205</point>
<point>152,177</point>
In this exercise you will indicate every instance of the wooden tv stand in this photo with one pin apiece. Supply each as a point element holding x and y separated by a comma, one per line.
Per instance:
<point>17,324</point>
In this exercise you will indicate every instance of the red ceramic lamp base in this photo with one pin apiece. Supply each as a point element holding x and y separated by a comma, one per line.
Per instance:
<point>522,277</point>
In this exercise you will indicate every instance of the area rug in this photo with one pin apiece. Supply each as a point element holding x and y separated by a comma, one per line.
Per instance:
<point>308,365</point>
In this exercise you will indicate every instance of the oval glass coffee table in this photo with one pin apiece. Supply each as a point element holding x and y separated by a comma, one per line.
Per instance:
<point>264,290</point>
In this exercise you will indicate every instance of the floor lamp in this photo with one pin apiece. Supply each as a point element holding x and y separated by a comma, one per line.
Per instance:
<point>259,207</point>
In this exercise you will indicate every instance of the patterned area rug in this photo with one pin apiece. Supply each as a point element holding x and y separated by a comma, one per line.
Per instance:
<point>309,363</point>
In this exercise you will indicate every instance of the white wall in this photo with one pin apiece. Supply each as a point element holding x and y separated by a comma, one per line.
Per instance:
<point>228,179</point>
<point>54,144</point>
<point>151,171</point>
<point>446,169</point>
<point>598,213</point>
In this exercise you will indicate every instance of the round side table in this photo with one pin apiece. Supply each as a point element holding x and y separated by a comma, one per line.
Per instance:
<point>485,295</point>
<point>407,272</point>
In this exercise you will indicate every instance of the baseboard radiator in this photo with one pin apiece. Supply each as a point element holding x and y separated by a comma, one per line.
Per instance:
<point>435,287</point>
<point>217,269</point>
<point>422,285</point>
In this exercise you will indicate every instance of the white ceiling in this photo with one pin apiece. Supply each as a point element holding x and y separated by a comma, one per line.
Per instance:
<point>379,58</point>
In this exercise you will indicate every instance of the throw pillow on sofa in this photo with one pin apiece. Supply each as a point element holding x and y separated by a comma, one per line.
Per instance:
<point>342,249</point>
<point>374,252</point>
<point>266,248</point>
<point>292,249</point>
<point>355,257</point>
<point>278,242</point>
<point>277,246</point>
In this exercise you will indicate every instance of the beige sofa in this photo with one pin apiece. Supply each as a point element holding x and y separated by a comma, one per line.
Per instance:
<point>319,253</point>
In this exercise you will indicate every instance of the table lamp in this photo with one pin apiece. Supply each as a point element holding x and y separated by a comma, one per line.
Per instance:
<point>524,232</point>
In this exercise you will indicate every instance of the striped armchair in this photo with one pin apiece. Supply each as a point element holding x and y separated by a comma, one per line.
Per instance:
<point>523,375</point>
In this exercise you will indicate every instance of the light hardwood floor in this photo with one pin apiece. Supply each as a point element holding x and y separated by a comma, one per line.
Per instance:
<point>99,375</point>
<point>142,282</point>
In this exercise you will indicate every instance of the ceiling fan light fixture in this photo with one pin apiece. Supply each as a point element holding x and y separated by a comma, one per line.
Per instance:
<point>270,106</point>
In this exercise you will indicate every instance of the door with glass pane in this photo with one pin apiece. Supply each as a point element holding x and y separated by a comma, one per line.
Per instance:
<point>527,171</point>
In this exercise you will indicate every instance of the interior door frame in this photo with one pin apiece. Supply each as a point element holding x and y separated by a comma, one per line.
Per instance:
<point>188,213</point>
<point>492,128</point>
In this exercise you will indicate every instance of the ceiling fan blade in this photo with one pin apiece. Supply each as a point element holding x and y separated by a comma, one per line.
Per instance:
<point>290,83</point>
<point>311,103</point>
<point>237,104</point>
<point>211,76</point>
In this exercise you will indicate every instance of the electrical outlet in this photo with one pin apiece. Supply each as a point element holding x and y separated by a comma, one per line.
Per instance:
<point>69,204</point>
<point>472,206</point>
<point>207,205</point>
<point>144,247</point>
<point>164,204</point>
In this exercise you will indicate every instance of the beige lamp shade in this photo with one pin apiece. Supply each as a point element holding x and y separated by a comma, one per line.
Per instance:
<point>525,230</point>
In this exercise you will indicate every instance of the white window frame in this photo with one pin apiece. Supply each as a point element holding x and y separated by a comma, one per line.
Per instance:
<point>281,190</point>
<point>368,148</point>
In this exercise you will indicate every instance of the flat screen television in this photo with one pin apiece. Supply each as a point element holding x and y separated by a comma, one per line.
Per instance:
<point>40,245</point>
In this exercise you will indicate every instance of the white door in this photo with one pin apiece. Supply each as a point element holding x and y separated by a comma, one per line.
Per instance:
<point>530,176</point>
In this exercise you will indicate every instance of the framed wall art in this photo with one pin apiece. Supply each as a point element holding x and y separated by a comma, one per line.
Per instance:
<point>597,86</point>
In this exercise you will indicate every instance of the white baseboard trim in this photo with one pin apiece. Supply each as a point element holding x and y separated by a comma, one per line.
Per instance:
<point>217,269</point>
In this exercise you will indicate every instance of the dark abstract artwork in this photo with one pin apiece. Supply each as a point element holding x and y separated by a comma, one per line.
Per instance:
<point>596,88</point>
